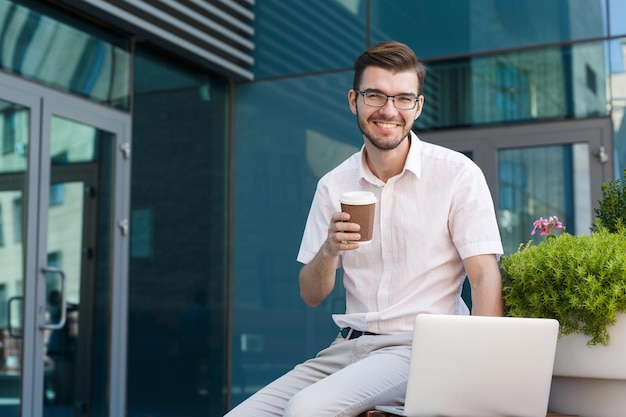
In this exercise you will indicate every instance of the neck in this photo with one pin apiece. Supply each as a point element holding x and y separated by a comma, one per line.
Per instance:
<point>387,164</point>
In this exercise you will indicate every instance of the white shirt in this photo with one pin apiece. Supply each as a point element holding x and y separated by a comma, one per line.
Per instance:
<point>429,218</point>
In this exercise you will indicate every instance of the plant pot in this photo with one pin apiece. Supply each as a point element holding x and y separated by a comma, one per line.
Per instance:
<point>590,381</point>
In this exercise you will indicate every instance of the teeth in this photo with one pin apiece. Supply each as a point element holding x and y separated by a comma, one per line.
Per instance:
<point>387,125</point>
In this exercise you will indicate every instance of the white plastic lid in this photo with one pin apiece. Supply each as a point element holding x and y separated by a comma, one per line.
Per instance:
<point>358,197</point>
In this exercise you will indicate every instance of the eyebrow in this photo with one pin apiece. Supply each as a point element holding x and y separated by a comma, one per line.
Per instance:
<point>376,90</point>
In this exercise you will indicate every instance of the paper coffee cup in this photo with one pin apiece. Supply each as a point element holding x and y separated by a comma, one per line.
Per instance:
<point>361,205</point>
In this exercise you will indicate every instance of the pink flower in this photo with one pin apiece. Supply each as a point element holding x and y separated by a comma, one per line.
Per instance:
<point>545,226</point>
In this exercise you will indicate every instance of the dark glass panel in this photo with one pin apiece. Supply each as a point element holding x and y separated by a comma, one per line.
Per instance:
<point>293,36</point>
<point>178,274</point>
<point>289,134</point>
<point>460,27</point>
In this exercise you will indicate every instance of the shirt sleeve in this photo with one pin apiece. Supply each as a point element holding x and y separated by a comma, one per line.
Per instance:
<point>472,221</point>
<point>318,221</point>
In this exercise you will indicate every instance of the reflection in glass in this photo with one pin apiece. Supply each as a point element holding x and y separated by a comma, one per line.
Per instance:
<point>541,182</point>
<point>78,243</point>
<point>618,102</point>
<point>294,37</point>
<point>179,226</point>
<point>74,142</point>
<point>277,171</point>
<point>550,83</point>
<point>617,11</point>
<point>14,135</point>
<point>37,46</point>
<point>435,29</point>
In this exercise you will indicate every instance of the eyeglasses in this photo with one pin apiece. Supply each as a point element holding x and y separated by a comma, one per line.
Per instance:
<point>401,102</point>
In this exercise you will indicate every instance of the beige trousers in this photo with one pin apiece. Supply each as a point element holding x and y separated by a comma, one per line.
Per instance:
<point>343,380</point>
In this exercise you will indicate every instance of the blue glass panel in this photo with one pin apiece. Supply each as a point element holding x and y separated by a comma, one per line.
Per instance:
<point>617,17</point>
<point>459,27</point>
<point>618,102</point>
<point>35,44</point>
<point>14,128</point>
<point>539,182</point>
<point>289,133</point>
<point>538,84</point>
<point>293,36</point>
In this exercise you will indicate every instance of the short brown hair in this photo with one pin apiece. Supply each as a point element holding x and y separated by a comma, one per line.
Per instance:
<point>394,56</point>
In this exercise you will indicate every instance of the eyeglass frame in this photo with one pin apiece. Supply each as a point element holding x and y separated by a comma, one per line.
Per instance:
<point>387,97</point>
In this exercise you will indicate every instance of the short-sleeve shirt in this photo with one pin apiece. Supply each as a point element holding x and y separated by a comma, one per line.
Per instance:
<point>435,213</point>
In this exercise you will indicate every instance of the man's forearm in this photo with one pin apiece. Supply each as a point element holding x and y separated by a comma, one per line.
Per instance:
<point>487,301</point>
<point>317,278</point>
<point>486,282</point>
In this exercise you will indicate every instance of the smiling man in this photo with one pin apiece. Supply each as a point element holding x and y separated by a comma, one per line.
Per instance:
<point>434,225</point>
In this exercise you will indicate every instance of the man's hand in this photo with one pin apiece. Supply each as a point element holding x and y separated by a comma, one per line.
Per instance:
<point>342,235</point>
<point>317,278</point>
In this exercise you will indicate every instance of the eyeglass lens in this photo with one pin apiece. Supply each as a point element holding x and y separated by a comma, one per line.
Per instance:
<point>401,102</point>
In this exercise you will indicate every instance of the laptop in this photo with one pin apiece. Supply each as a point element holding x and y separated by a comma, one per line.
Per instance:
<point>476,366</point>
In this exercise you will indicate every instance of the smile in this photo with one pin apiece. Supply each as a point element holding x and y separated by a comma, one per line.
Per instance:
<point>386,125</point>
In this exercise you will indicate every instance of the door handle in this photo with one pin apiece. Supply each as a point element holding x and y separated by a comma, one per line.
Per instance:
<point>12,332</point>
<point>58,325</point>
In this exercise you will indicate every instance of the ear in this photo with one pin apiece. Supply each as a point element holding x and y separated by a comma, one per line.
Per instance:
<point>420,106</point>
<point>352,96</point>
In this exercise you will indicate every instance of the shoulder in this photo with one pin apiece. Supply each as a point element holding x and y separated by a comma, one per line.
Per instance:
<point>439,152</point>
<point>346,171</point>
<point>445,158</point>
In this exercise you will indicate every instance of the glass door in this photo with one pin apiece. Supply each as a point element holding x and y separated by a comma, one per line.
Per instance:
<point>77,272</point>
<point>539,170</point>
<point>15,131</point>
<point>63,198</point>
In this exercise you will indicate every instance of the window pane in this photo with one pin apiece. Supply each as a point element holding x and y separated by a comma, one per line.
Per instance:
<point>40,47</point>
<point>14,137</point>
<point>14,129</point>
<point>618,102</point>
<point>617,13</point>
<point>177,275</point>
<point>551,83</point>
<point>277,167</point>
<point>76,142</point>
<point>440,28</point>
<point>294,36</point>
<point>542,182</point>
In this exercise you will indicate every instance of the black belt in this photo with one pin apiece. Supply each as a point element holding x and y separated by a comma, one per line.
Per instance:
<point>349,333</point>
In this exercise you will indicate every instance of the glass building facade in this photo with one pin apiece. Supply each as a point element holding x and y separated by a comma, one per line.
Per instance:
<point>491,65</point>
<point>223,171</point>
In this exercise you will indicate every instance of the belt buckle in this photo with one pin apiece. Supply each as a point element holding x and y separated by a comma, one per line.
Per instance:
<point>346,333</point>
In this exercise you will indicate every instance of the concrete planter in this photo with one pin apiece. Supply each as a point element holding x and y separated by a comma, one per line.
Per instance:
<point>591,381</point>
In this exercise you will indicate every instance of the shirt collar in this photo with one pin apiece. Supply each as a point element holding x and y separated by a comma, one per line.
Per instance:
<point>413,162</point>
<point>414,158</point>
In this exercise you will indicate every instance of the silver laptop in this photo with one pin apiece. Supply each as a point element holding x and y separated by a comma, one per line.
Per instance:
<point>475,366</point>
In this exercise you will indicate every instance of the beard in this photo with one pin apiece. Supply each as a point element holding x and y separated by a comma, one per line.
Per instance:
<point>379,142</point>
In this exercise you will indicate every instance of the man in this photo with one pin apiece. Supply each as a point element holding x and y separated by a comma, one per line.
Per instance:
<point>434,224</point>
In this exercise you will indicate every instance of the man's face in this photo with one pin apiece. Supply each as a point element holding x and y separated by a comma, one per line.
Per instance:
<point>385,127</point>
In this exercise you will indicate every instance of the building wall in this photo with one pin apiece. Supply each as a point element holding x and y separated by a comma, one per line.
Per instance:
<point>225,166</point>
<point>490,63</point>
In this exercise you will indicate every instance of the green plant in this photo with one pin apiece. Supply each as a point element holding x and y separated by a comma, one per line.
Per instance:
<point>611,209</point>
<point>578,280</point>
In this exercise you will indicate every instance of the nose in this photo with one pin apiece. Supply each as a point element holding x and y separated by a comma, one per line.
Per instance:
<point>389,107</point>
